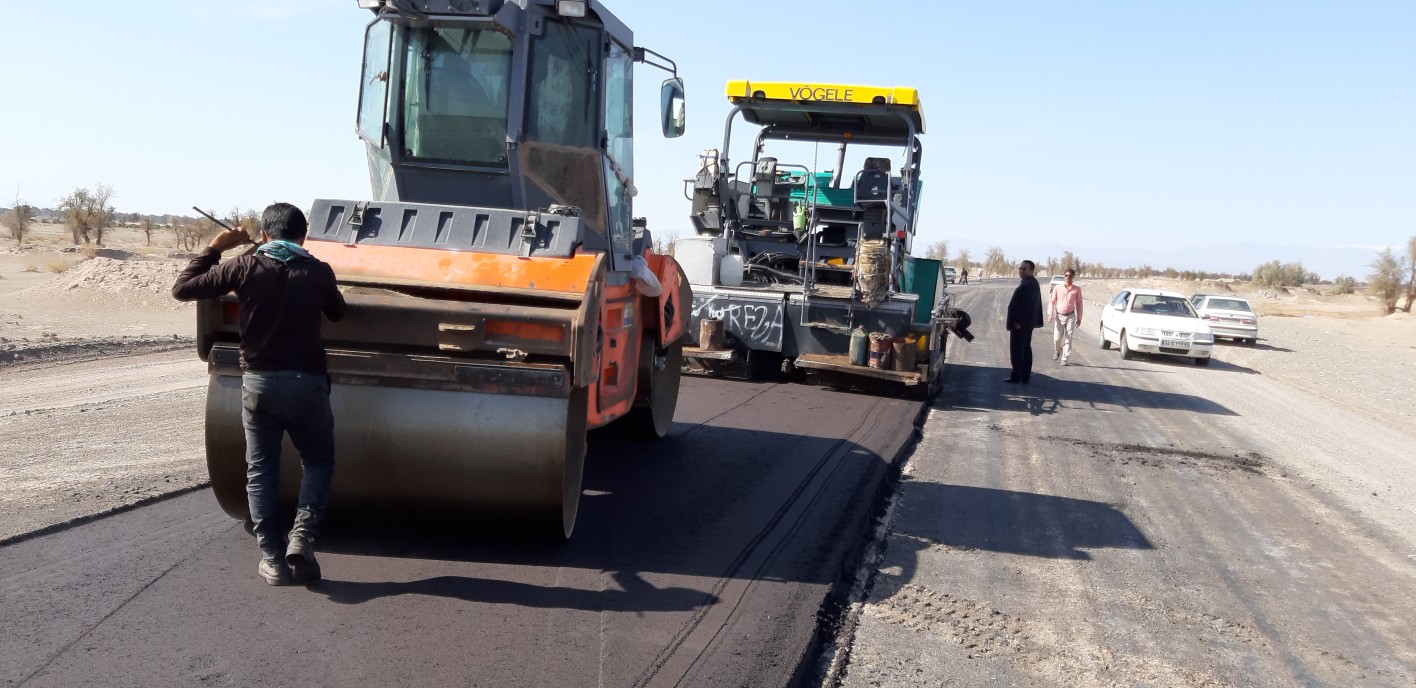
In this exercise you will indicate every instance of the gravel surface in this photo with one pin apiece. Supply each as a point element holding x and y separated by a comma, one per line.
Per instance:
<point>1151,522</point>
<point>90,436</point>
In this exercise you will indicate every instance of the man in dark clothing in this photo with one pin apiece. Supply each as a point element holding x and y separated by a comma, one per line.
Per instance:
<point>1024,316</point>
<point>283,292</point>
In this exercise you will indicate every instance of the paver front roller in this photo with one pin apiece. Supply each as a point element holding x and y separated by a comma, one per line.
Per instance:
<point>502,298</point>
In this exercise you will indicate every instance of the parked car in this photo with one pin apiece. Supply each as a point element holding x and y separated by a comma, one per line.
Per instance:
<point>950,274</point>
<point>1056,280</point>
<point>1155,322</point>
<point>1228,316</point>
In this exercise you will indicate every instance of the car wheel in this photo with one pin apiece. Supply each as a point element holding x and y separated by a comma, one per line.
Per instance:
<point>1202,361</point>
<point>1251,341</point>
<point>1126,352</point>
<point>1102,340</point>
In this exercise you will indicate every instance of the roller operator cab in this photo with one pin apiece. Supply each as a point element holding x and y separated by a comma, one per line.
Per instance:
<point>802,265</point>
<point>503,298</point>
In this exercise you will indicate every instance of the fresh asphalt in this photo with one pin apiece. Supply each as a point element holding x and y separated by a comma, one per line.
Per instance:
<point>702,559</point>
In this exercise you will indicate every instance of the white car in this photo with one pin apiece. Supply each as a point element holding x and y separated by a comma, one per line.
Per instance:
<point>1155,322</point>
<point>1228,316</point>
<point>1056,280</point>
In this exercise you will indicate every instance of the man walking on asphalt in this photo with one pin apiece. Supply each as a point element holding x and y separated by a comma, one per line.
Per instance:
<point>1064,311</point>
<point>1024,316</point>
<point>283,292</point>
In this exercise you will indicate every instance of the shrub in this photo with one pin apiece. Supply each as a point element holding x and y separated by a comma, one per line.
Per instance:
<point>58,265</point>
<point>31,267</point>
<point>1276,274</point>
<point>1344,285</point>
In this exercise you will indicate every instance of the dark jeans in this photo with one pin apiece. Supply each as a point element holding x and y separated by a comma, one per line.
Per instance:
<point>1020,353</point>
<point>272,404</point>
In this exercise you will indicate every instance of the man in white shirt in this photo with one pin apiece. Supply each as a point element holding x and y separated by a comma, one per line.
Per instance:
<point>1064,310</point>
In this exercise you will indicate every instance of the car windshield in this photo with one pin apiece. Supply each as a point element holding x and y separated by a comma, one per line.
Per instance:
<point>1230,305</point>
<point>1160,304</point>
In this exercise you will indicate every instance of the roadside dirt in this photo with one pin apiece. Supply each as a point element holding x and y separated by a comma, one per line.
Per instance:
<point>1152,522</point>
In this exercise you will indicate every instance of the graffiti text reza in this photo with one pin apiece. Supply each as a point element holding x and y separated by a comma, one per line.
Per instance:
<point>757,325</point>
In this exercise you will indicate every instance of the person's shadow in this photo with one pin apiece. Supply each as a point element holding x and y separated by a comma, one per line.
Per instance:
<point>634,593</point>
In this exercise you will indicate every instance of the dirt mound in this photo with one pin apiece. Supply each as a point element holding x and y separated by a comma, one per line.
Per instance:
<point>117,283</point>
<point>116,277</point>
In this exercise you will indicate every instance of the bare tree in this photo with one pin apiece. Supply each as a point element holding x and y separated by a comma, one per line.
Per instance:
<point>962,261</point>
<point>664,245</point>
<point>18,220</point>
<point>938,250</point>
<point>147,229</point>
<point>995,262</point>
<point>1411,274</point>
<point>192,233</point>
<point>1385,282</point>
<point>88,212</point>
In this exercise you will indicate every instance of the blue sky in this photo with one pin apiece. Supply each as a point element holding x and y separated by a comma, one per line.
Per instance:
<point>1120,125</point>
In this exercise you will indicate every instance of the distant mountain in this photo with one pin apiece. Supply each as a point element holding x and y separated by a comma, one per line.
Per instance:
<point>1327,261</point>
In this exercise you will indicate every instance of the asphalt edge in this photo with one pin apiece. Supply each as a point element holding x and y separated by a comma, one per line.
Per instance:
<point>823,664</point>
<point>90,518</point>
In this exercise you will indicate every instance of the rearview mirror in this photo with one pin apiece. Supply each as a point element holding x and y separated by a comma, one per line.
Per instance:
<point>672,107</point>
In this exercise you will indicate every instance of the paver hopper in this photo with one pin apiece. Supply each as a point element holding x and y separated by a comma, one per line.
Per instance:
<point>502,298</point>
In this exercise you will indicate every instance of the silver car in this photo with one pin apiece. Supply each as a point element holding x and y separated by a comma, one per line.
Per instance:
<point>1228,316</point>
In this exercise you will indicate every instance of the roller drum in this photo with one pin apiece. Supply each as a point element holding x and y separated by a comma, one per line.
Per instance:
<point>402,448</point>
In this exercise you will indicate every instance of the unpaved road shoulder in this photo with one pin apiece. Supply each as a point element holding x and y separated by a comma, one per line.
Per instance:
<point>88,437</point>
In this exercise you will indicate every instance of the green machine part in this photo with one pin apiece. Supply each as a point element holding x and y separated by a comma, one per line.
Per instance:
<point>925,278</point>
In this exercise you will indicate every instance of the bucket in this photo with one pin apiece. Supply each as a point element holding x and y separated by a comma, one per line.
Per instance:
<point>904,352</point>
<point>730,270</point>
<point>710,334</point>
<point>859,347</point>
<point>880,344</point>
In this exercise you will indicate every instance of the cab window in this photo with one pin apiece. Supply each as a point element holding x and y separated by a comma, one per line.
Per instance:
<point>619,130</point>
<point>456,88</point>
<point>564,101</point>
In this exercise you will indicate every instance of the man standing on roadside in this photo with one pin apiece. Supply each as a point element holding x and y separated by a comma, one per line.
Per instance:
<point>1064,311</point>
<point>283,292</point>
<point>1024,316</point>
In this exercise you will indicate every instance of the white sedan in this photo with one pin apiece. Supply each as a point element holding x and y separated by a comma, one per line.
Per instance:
<point>1228,316</point>
<point>1155,322</point>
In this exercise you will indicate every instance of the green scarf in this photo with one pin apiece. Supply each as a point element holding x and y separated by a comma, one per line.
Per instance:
<point>284,251</point>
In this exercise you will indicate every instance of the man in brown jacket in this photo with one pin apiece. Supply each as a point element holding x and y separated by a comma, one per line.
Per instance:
<point>284,294</point>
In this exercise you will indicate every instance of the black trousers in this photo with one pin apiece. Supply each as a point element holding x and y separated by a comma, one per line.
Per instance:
<point>1020,353</point>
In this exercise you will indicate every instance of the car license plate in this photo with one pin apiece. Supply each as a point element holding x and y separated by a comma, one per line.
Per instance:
<point>1174,343</point>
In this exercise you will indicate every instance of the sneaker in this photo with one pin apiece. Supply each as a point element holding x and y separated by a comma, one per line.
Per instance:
<point>300,556</point>
<point>274,571</point>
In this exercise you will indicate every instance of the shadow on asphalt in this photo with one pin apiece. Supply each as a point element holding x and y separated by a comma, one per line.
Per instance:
<point>710,502</point>
<point>634,595</point>
<point>981,389</point>
<point>1033,525</point>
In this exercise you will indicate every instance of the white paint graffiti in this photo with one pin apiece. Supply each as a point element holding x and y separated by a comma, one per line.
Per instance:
<point>759,325</point>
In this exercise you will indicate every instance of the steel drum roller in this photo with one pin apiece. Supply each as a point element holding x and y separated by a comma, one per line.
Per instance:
<point>418,449</point>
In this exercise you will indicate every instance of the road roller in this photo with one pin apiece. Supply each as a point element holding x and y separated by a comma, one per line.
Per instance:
<point>807,268</point>
<point>503,299</point>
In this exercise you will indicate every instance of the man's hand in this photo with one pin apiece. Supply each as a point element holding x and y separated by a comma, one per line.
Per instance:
<point>229,239</point>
